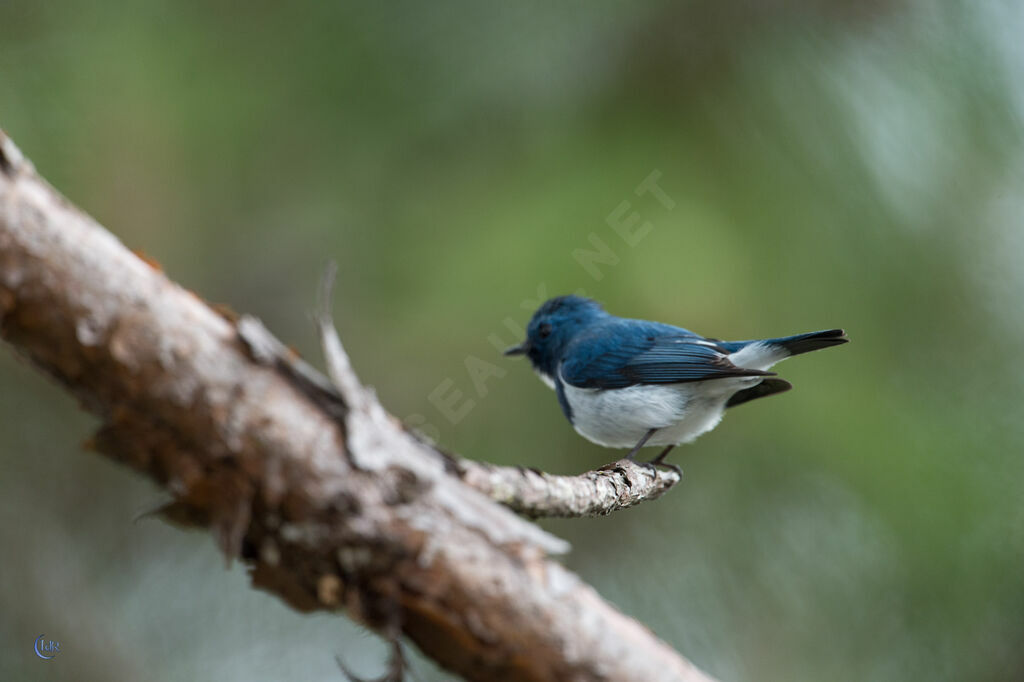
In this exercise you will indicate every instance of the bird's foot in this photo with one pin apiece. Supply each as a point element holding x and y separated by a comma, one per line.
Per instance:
<point>660,461</point>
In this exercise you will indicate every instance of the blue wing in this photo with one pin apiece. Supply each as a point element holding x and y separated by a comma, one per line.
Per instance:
<point>632,352</point>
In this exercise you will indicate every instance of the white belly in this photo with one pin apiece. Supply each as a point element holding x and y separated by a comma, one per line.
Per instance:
<point>619,418</point>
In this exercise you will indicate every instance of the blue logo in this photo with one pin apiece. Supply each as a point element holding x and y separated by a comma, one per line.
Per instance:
<point>46,650</point>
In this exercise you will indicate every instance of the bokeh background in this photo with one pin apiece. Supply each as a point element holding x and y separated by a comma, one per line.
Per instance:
<point>828,163</point>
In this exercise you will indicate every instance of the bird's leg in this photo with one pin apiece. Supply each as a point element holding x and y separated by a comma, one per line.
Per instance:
<point>661,456</point>
<point>660,461</point>
<point>636,448</point>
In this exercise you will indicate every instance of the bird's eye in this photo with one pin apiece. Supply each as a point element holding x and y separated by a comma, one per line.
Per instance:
<point>544,330</point>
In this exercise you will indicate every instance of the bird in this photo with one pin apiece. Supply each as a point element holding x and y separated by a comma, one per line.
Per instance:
<point>625,383</point>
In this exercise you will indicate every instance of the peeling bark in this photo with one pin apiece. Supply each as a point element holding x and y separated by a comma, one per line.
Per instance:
<point>328,500</point>
<point>536,494</point>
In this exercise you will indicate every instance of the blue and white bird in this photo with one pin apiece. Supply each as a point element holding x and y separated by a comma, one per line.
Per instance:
<point>629,383</point>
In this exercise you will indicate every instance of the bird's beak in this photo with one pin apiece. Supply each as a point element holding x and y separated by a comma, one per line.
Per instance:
<point>518,350</point>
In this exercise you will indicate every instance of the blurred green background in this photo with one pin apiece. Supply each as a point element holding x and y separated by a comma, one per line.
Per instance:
<point>855,164</point>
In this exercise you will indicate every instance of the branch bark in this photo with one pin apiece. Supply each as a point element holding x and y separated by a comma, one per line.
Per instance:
<point>328,500</point>
<point>537,494</point>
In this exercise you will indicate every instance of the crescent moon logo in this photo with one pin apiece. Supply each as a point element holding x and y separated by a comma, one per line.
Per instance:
<point>38,652</point>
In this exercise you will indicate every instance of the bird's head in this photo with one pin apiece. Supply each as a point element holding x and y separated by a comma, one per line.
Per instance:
<point>551,329</point>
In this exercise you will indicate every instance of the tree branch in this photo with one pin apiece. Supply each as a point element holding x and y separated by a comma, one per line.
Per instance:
<point>327,499</point>
<point>536,494</point>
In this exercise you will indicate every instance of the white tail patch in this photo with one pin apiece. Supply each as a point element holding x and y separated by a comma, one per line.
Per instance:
<point>758,355</point>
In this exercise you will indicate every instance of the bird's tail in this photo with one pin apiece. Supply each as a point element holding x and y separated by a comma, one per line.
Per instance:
<point>804,343</point>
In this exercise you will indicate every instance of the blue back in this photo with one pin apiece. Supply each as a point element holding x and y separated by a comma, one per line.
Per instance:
<point>615,353</point>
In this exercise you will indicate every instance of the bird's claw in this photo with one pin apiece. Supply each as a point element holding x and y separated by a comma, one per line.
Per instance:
<point>660,461</point>
<point>655,463</point>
